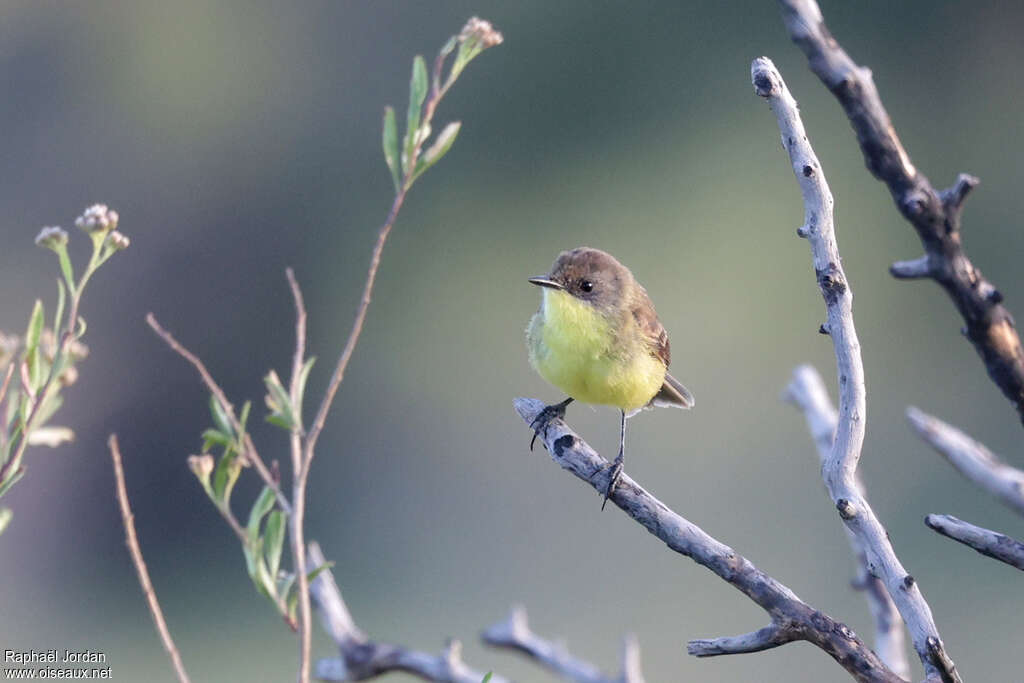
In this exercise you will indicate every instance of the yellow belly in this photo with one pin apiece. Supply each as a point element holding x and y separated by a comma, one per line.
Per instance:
<point>573,346</point>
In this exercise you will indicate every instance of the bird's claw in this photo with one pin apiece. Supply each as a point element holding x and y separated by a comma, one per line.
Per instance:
<point>613,478</point>
<point>545,416</point>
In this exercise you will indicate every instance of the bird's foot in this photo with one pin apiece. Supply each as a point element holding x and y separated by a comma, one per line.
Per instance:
<point>613,477</point>
<point>544,417</point>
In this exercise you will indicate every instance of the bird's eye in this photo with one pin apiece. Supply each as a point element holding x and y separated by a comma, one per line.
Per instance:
<point>586,285</point>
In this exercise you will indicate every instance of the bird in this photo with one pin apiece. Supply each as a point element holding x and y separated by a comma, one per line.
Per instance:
<point>597,337</point>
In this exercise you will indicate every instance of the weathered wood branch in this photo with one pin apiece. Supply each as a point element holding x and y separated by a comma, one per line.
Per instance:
<point>361,658</point>
<point>993,544</point>
<point>934,215</point>
<point>514,633</point>
<point>840,468</point>
<point>807,391</point>
<point>791,618</point>
<point>971,459</point>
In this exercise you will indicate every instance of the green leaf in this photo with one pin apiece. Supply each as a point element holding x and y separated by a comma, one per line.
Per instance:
<point>279,402</point>
<point>257,569</point>
<point>444,142</point>
<point>225,476</point>
<point>11,480</point>
<point>33,358</point>
<point>487,678</point>
<point>274,540</point>
<point>264,502</point>
<point>243,417</point>
<point>417,93</point>
<point>59,313</point>
<point>280,421</point>
<point>215,437</point>
<point>303,376</point>
<point>5,518</point>
<point>391,147</point>
<point>65,268</point>
<point>316,572</point>
<point>220,416</point>
<point>13,400</point>
<point>45,411</point>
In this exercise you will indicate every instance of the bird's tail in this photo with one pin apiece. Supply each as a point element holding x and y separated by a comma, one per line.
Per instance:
<point>673,394</point>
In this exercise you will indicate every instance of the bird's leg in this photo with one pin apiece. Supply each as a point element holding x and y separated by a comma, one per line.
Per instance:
<point>540,423</point>
<point>613,478</point>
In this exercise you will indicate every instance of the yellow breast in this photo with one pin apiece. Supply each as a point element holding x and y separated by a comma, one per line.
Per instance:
<point>576,348</point>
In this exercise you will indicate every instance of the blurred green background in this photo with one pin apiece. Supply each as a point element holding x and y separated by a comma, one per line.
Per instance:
<point>238,138</point>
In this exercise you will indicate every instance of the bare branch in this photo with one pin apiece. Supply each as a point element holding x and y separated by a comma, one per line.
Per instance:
<point>515,633</point>
<point>840,467</point>
<point>914,269</point>
<point>251,455</point>
<point>986,542</point>
<point>762,639</point>
<point>934,215</point>
<point>362,658</point>
<point>971,459</point>
<point>132,541</point>
<point>808,392</point>
<point>790,613</point>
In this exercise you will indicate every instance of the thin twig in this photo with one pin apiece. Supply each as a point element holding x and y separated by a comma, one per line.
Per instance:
<point>791,618</point>
<point>132,542</point>
<point>995,545</point>
<point>357,327</point>
<point>251,454</point>
<point>935,215</point>
<point>362,658</point>
<point>807,391</point>
<point>840,469</point>
<point>514,633</point>
<point>300,470</point>
<point>971,459</point>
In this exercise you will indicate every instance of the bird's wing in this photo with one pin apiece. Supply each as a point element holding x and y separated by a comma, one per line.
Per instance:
<point>654,332</point>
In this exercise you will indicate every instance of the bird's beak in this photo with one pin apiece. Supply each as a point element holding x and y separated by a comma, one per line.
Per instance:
<point>545,282</point>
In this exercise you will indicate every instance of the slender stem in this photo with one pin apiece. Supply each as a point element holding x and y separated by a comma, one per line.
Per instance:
<point>132,541</point>
<point>251,454</point>
<point>357,328</point>
<point>300,469</point>
<point>43,395</point>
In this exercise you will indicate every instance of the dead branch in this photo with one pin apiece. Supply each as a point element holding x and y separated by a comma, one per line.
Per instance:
<point>807,391</point>
<point>934,214</point>
<point>986,542</point>
<point>791,618</point>
<point>362,658</point>
<point>514,633</point>
<point>971,459</point>
<point>840,469</point>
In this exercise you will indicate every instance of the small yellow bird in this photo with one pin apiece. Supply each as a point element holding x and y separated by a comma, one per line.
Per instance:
<point>597,337</point>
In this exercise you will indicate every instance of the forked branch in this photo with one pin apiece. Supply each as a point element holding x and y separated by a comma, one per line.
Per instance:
<point>514,633</point>
<point>840,468</point>
<point>361,658</point>
<point>934,214</point>
<point>791,618</point>
<point>807,391</point>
